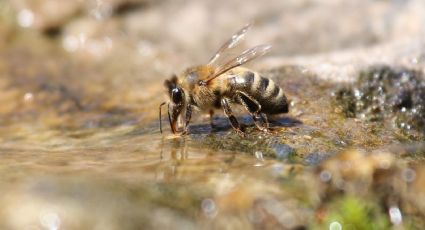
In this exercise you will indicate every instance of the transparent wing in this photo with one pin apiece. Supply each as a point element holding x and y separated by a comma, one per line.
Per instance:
<point>243,58</point>
<point>230,44</point>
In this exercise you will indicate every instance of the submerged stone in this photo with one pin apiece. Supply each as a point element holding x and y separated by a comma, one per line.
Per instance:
<point>282,151</point>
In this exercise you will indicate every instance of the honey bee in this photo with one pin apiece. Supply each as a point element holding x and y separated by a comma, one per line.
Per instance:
<point>223,82</point>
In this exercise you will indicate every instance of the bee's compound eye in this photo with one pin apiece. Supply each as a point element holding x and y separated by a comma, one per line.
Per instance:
<point>177,95</point>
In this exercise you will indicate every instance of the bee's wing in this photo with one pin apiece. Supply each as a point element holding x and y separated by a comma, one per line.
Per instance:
<point>222,53</point>
<point>243,58</point>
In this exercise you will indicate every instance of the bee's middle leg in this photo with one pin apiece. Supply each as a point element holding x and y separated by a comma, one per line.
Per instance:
<point>254,108</point>
<point>228,111</point>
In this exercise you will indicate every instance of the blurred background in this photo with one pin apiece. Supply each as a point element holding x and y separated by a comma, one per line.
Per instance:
<point>127,47</point>
<point>80,85</point>
<point>128,43</point>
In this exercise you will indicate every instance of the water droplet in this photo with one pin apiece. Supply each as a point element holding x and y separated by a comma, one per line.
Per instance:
<point>50,220</point>
<point>395,215</point>
<point>376,75</point>
<point>28,97</point>
<point>340,142</point>
<point>259,155</point>
<point>209,207</point>
<point>357,93</point>
<point>282,151</point>
<point>405,77</point>
<point>70,43</point>
<point>260,159</point>
<point>25,18</point>
<point>335,226</point>
<point>408,175</point>
<point>325,176</point>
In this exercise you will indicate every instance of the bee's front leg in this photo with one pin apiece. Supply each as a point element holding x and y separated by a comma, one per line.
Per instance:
<point>228,111</point>
<point>188,116</point>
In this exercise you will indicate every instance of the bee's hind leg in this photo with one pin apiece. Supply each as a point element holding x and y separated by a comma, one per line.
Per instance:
<point>264,126</point>
<point>228,111</point>
<point>254,108</point>
<point>261,121</point>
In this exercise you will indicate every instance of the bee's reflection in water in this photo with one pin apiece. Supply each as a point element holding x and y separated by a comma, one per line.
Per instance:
<point>179,159</point>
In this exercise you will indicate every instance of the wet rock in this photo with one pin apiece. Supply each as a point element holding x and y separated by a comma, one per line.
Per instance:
<point>386,93</point>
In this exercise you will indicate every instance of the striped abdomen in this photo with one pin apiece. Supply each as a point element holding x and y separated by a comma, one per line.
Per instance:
<point>265,91</point>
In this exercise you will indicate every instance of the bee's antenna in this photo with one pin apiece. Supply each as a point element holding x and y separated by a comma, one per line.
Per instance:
<point>160,116</point>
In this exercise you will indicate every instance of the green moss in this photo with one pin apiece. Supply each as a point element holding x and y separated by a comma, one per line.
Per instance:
<point>354,213</point>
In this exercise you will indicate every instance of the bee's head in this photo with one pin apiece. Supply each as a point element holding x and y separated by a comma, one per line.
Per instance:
<point>175,92</point>
<point>178,102</point>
